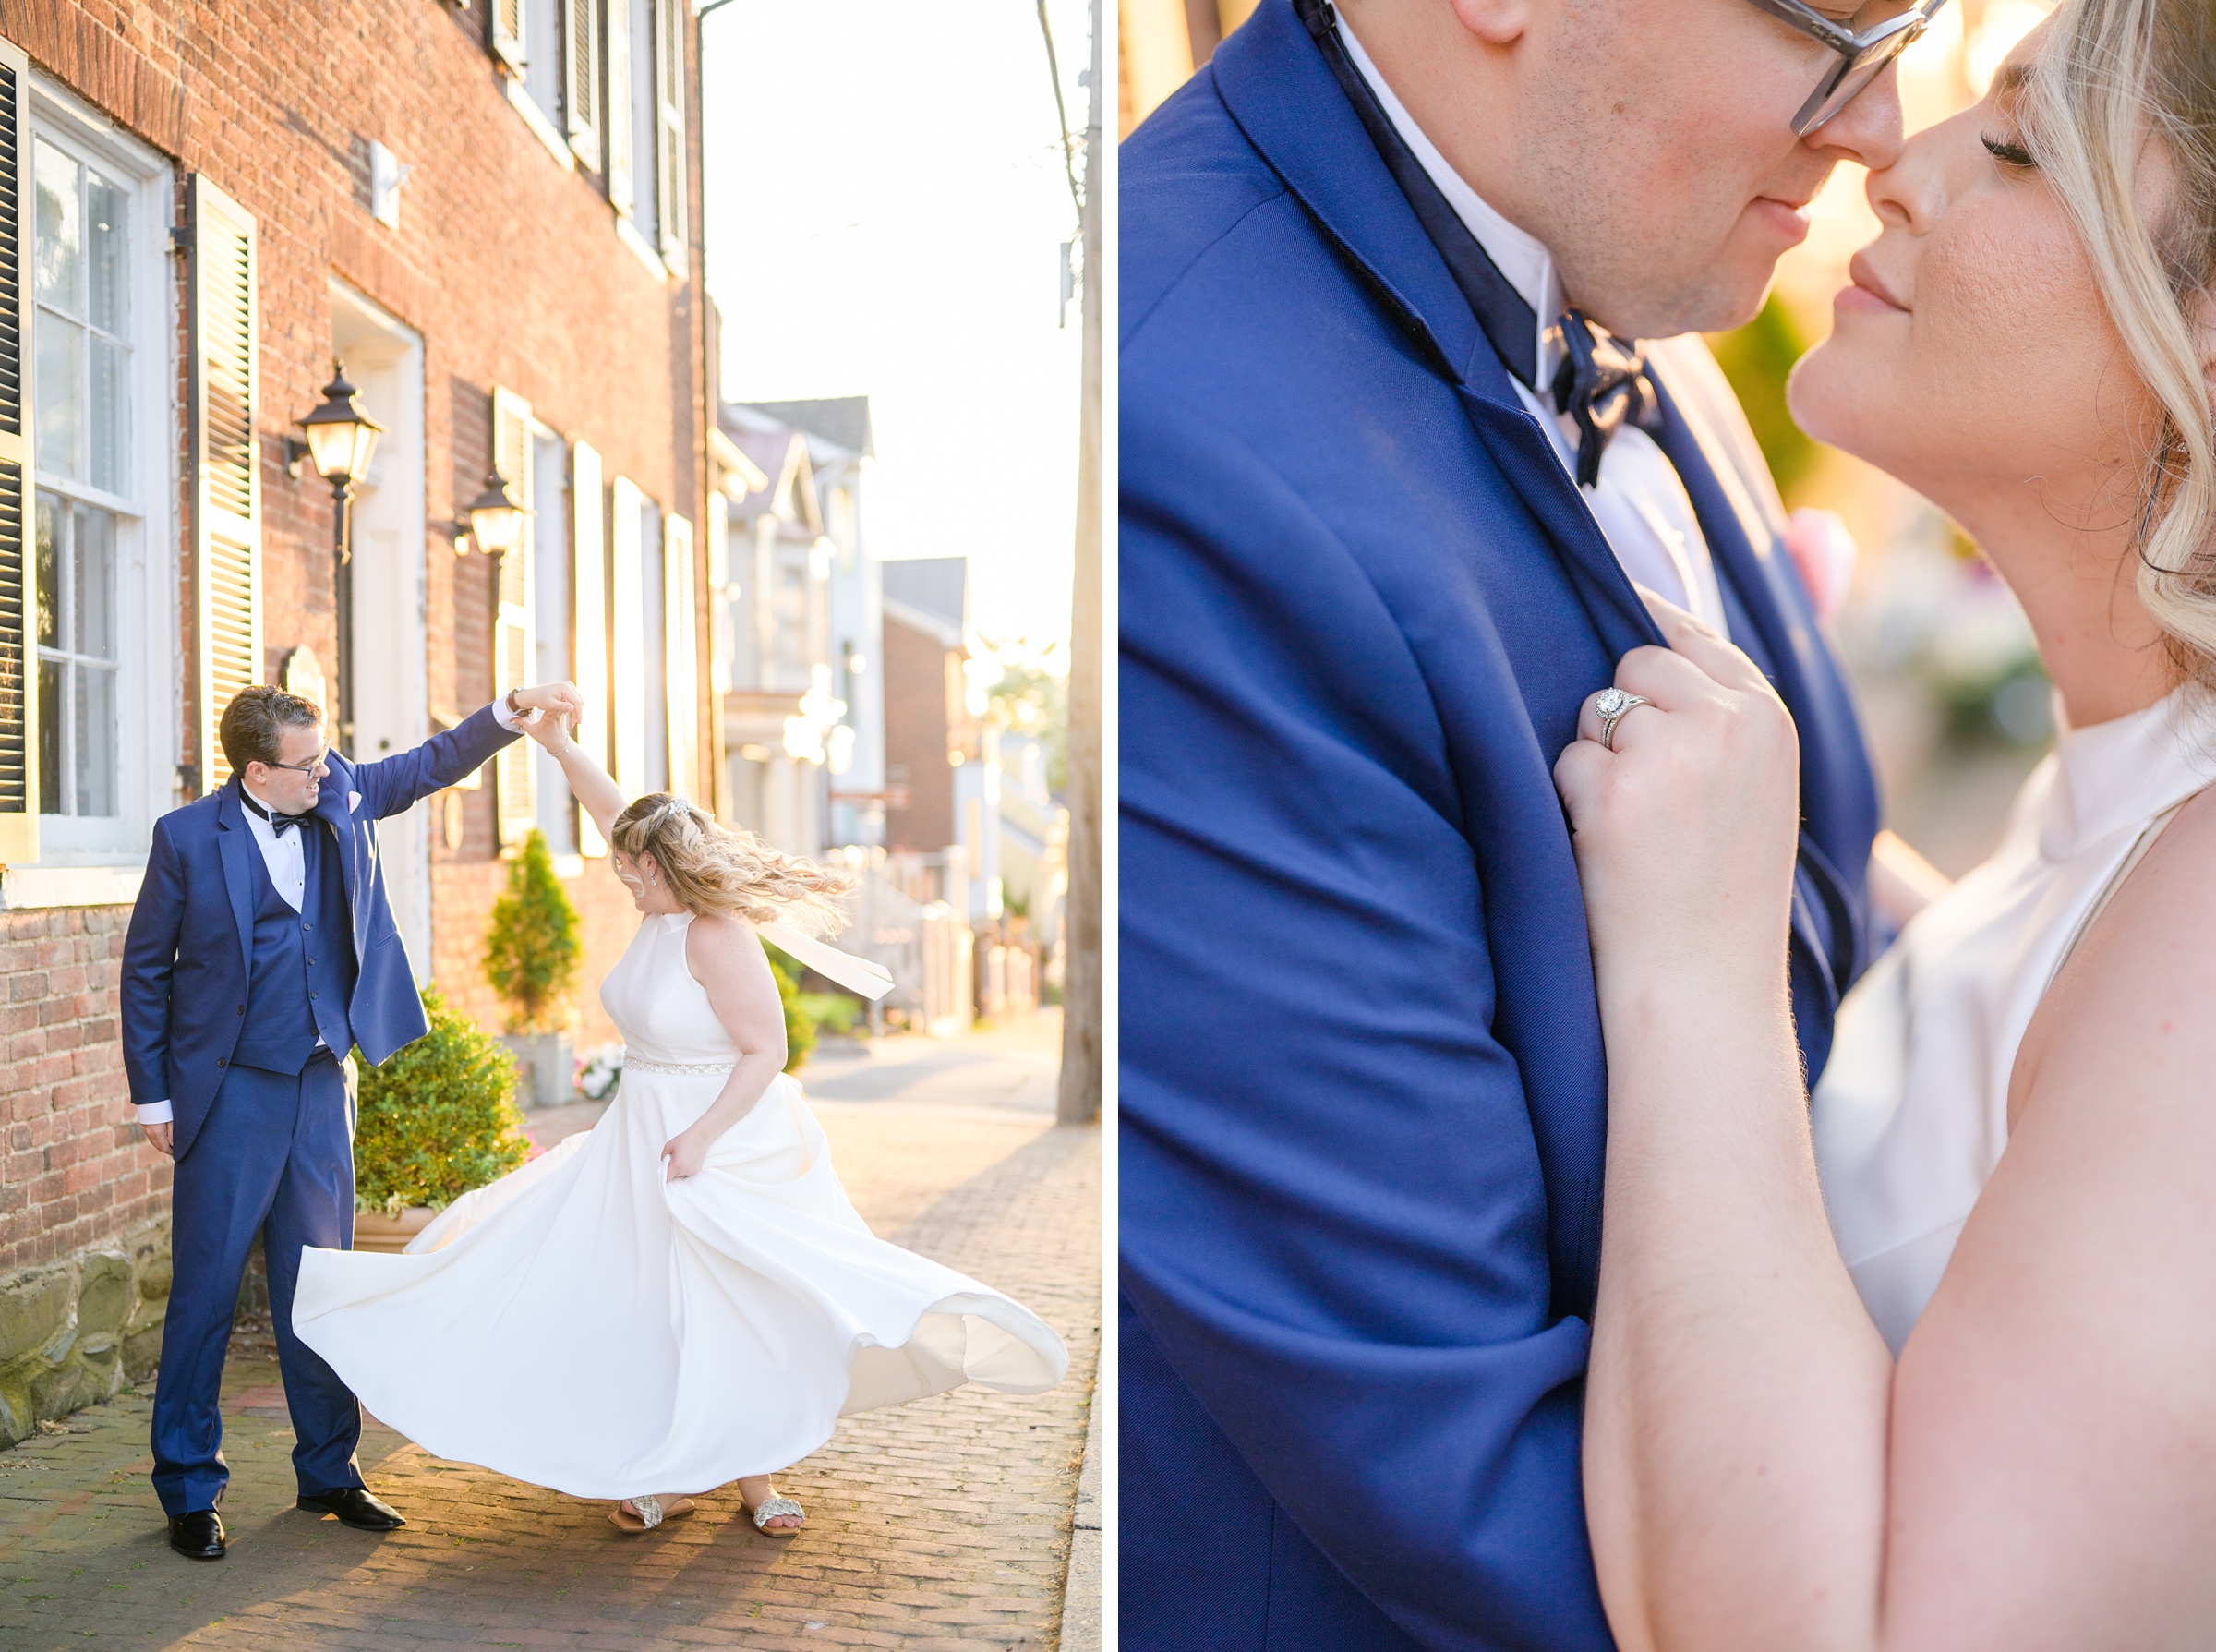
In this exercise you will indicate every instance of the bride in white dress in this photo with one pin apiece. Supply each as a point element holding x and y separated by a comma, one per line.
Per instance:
<point>1972,1407</point>
<point>681,1296</point>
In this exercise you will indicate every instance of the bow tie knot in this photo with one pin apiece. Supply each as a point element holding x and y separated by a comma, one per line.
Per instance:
<point>280,822</point>
<point>1603,385</point>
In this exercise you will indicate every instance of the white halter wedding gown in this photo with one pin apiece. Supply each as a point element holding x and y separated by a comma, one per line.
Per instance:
<point>584,1324</point>
<point>1912,1112</point>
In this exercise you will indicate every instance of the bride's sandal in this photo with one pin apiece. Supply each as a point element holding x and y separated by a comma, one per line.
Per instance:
<point>650,1512</point>
<point>771,1509</point>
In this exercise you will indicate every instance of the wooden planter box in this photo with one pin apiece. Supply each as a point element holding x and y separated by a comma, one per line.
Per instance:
<point>373,1231</point>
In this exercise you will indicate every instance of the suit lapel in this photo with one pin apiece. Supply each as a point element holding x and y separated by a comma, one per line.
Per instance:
<point>234,844</point>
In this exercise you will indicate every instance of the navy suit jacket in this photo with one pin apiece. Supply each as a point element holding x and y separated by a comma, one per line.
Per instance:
<point>184,956</point>
<point>1363,1097</point>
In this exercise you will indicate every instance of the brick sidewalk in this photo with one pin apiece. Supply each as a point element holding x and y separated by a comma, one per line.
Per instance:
<point>941,1524</point>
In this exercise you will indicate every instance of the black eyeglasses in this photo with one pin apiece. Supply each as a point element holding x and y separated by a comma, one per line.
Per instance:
<point>1863,53</point>
<point>309,768</point>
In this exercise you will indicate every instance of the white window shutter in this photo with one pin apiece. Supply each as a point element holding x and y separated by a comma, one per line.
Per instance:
<point>513,641</point>
<point>627,601</point>
<point>18,674</point>
<point>225,371</point>
<point>508,32</point>
<point>680,656</point>
<point>669,128</point>
<point>589,620</point>
<point>622,164</point>
<point>581,79</point>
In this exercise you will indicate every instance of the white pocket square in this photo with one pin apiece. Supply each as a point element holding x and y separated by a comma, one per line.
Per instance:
<point>353,801</point>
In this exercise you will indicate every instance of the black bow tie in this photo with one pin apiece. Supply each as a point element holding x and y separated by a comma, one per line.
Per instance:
<point>280,824</point>
<point>1602,384</point>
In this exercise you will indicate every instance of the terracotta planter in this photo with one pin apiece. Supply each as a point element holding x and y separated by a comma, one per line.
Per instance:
<point>373,1231</point>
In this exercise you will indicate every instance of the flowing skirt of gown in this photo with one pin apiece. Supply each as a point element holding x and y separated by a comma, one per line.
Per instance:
<point>584,1324</point>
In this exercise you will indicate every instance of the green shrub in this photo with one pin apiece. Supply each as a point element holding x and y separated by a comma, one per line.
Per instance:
<point>1757,359</point>
<point>799,1030</point>
<point>439,1118</point>
<point>533,946</point>
<point>832,1012</point>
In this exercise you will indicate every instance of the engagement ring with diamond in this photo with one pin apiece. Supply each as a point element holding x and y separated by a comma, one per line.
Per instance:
<point>1609,706</point>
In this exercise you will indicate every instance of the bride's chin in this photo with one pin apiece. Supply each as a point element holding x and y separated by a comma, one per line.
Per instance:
<point>1819,395</point>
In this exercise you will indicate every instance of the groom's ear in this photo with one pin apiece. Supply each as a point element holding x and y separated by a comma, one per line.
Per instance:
<point>1496,23</point>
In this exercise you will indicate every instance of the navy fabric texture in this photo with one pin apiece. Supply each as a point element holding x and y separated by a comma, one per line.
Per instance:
<point>187,951</point>
<point>277,1162</point>
<point>1363,1094</point>
<point>297,990</point>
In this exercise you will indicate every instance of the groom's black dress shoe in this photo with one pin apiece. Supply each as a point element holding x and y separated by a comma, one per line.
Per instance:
<point>197,1536</point>
<point>354,1505</point>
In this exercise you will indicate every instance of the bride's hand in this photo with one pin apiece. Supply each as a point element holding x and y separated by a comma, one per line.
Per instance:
<point>550,728</point>
<point>1686,831</point>
<point>686,1152</point>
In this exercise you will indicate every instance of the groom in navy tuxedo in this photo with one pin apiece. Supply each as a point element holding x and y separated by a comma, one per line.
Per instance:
<point>263,950</point>
<point>1394,460</point>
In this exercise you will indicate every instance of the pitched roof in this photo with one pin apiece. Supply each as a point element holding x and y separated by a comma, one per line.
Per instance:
<point>843,420</point>
<point>937,587</point>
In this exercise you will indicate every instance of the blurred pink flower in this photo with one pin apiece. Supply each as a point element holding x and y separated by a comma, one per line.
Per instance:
<point>1824,551</point>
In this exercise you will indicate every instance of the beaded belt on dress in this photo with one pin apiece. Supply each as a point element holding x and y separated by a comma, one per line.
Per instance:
<point>644,1066</point>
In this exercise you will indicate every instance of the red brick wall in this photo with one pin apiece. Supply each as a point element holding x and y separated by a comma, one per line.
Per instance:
<point>511,269</point>
<point>916,736</point>
<point>76,1169</point>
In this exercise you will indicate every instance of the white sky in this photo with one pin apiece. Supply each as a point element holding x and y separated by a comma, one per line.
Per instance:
<point>884,209</point>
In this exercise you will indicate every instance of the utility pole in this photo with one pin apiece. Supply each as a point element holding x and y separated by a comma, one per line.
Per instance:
<point>1080,1101</point>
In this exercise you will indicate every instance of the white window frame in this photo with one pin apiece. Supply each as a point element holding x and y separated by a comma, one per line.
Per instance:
<point>96,861</point>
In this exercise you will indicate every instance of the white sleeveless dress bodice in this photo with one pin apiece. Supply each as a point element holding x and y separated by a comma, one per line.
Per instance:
<point>1911,1113</point>
<point>586,1324</point>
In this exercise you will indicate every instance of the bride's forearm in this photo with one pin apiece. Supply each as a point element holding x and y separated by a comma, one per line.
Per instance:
<point>1736,1412</point>
<point>742,1092</point>
<point>594,789</point>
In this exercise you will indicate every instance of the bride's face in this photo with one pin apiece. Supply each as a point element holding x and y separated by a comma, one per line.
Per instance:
<point>1972,354</point>
<point>642,878</point>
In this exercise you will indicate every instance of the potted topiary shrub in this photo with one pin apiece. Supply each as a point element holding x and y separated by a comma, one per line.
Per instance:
<point>437,1120</point>
<point>531,953</point>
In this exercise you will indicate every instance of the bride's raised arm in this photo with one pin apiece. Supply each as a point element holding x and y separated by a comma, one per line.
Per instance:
<point>600,795</point>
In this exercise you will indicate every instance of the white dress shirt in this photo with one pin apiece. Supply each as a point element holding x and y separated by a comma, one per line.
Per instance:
<point>287,863</point>
<point>1638,503</point>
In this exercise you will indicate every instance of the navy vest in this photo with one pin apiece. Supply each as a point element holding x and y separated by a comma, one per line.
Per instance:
<point>301,977</point>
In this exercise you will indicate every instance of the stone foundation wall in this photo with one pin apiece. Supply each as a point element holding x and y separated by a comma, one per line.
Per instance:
<point>72,1331</point>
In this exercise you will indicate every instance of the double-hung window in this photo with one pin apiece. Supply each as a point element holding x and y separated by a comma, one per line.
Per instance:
<point>102,426</point>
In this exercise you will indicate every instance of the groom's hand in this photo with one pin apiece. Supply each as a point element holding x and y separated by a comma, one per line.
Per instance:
<point>162,1137</point>
<point>560,698</point>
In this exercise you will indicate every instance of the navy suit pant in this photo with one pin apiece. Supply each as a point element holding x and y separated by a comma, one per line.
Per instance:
<point>274,1157</point>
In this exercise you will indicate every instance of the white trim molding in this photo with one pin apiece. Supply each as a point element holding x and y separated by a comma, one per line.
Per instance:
<point>23,888</point>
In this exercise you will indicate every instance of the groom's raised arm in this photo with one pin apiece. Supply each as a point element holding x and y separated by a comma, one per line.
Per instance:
<point>395,783</point>
<point>1333,1220</point>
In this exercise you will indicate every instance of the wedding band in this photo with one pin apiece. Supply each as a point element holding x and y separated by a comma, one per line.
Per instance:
<point>1610,705</point>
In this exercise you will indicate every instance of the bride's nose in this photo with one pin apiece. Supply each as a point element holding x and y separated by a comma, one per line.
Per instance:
<point>1911,193</point>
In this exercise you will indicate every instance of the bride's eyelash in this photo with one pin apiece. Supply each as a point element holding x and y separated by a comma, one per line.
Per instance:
<point>2007,155</point>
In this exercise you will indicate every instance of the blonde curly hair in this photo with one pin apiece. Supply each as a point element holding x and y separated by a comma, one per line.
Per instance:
<point>715,868</point>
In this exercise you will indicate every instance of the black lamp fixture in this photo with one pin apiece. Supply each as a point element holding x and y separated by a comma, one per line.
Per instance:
<point>342,438</point>
<point>494,519</point>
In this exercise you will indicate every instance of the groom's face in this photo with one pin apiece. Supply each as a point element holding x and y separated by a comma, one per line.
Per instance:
<point>1647,144</point>
<point>291,790</point>
<point>1669,166</point>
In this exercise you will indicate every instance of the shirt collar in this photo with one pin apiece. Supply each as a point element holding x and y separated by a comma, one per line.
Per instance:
<point>1518,255</point>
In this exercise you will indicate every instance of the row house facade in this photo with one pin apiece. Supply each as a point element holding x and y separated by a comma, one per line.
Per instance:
<point>486,215</point>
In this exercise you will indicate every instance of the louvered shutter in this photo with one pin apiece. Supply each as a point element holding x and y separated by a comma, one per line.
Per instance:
<point>669,128</point>
<point>621,163</point>
<point>626,605</point>
<point>720,606</point>
<point>581,79</point>
<point>511,639</point>
<point>588,619</point>
<point>508,32</point>
<point>226,491</point>
<point>680,656</point>
<point>18,676</point>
